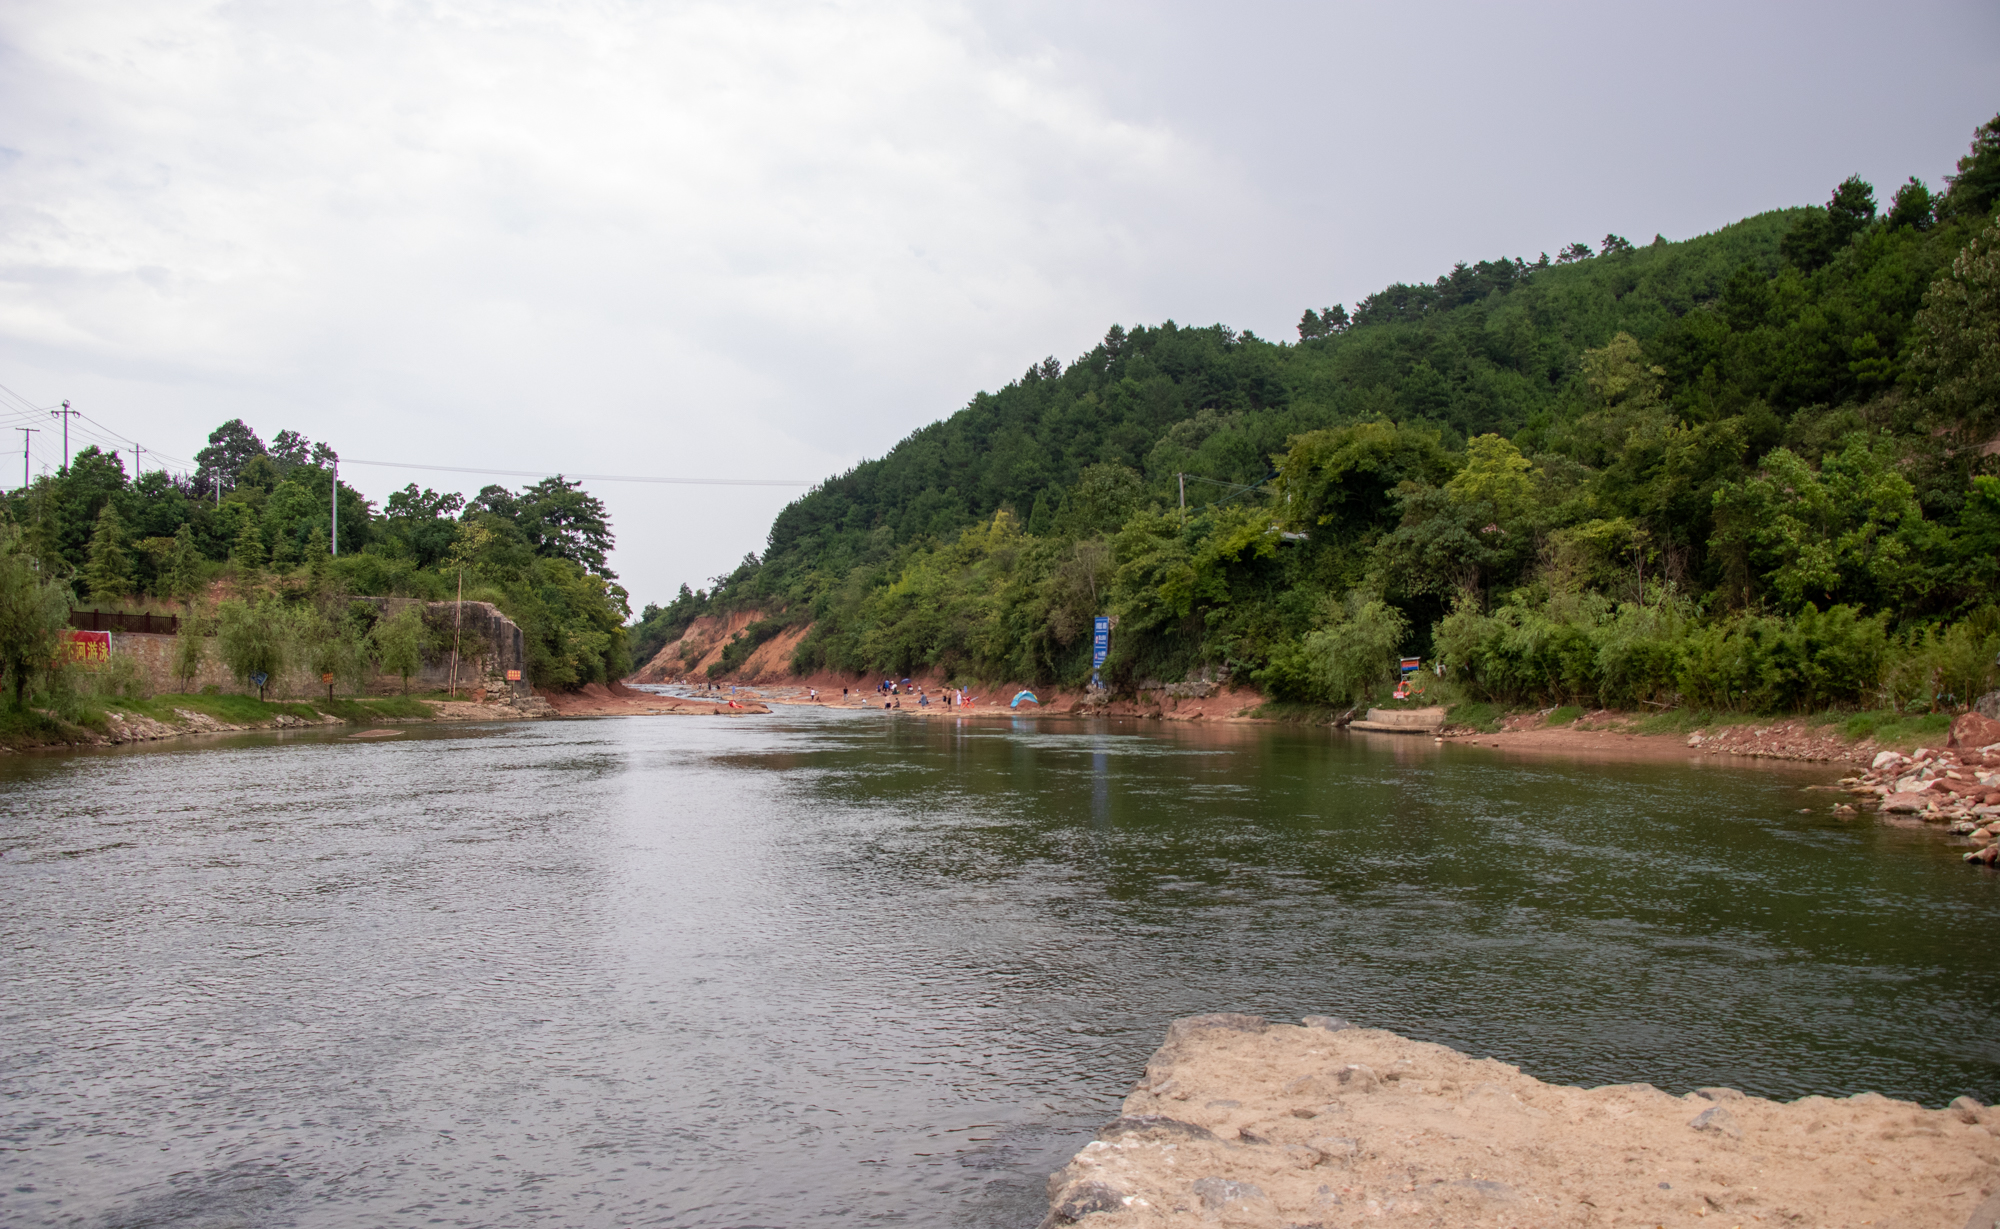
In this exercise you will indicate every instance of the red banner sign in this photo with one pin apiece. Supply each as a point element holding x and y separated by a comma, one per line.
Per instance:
<point>90,649</point>
<point>513,676</point>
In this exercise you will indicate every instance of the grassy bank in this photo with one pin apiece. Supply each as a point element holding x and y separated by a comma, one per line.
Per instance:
<point>82,720</point>
<point>249,710</point>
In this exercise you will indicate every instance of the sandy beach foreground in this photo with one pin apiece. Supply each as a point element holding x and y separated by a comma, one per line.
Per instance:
<point>1239,1121</point>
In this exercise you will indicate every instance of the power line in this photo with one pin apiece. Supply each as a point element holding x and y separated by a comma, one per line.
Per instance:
<point>526,473</point>
<point>23,410</point>
<point>14,408</point>
<point>65,413</point>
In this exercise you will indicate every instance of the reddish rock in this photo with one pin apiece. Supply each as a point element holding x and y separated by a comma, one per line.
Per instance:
<point>1973,730</point>
<point>1905,804</point>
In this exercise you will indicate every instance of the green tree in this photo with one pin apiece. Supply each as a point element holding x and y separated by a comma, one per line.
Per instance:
<point>1496,474</point>
<point>1344,477</point>
<point>1851,531</point>
<point>1357,650</point>
<point>1957,335</point>
<point>420,524</point>
<point>249,554</point>
<point>1913,206</point>
<point>230,448</point>
<point>319,561</point>
<point>332,642</point>
<point>108,576</point>
<point>559,519</point>
<point>34,610</point>
<point>182,574</point>
<point>190,647</point>
<point>253,640</point>
<point>1974,190</point>
<point>399,643</point>
<point>1821,233</point>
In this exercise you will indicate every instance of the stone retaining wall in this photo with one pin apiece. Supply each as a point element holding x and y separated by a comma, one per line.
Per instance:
<point>491,644</point>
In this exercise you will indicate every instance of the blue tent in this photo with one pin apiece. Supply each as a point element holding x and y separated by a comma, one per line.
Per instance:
<point>1029,696</point>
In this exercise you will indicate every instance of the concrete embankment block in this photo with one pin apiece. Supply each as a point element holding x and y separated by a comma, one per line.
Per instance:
<point>1401,721</point>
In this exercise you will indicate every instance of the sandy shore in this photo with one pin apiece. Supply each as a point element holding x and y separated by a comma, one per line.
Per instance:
<point>1600,735</point>
<point>1610,734</point>
<point>618,700</point>
<point>1240,1122</point>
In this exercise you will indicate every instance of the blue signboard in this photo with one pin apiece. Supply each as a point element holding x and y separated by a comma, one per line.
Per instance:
<point>1100,642</point>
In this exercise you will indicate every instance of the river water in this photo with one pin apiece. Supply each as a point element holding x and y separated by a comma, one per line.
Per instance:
<point>861,968</point>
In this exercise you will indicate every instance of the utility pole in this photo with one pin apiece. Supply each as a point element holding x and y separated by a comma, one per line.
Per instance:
<point>334,537</point>
<point>457,627</point>
<point>1183,478</point>
<point>65,414</point>
<point>26,432</point>
<point>138,462</point>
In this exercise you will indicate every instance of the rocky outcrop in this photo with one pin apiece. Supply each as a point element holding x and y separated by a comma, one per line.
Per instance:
<point>1242,1122</point>
<point>490,647</point>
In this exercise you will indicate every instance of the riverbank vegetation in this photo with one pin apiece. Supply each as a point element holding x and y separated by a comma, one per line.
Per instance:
<point>78,711</point>
<point>242,549</point>
<point>1752,471</point>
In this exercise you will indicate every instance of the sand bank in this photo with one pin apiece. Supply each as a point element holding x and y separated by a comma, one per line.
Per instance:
<point>618,700</point>
<point>1245,1123</point>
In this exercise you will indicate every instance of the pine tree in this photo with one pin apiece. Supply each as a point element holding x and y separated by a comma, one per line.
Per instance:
<point>109,573</point>
<point>183,571</point>
<point>318,559</point>
<point>249,554</point>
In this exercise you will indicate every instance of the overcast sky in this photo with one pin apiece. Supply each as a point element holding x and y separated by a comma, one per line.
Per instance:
<point>768,240</point>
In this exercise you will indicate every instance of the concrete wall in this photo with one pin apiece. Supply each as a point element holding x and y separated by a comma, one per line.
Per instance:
<point>491,644</point>
<point>155,655</point>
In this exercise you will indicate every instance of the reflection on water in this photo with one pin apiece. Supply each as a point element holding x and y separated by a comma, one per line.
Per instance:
<point>860,968</point>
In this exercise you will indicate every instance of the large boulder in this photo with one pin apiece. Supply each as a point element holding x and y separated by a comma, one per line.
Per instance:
<point>1973,730</point>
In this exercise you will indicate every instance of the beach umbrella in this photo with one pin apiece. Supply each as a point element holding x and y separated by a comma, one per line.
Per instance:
<point>1029,696</point>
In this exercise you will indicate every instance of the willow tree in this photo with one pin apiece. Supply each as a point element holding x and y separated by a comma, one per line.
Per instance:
<point>254,641</point>
<point>34,609</point>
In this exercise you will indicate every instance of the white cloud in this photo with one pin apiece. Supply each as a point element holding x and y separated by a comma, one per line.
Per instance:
<point>719,239</point>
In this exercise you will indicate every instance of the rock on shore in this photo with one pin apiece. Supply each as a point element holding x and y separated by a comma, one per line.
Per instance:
<point>1958,785</point>
<point>1242,1122</point>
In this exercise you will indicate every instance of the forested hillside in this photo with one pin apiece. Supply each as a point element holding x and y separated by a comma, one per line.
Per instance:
<point>1752,469</point>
